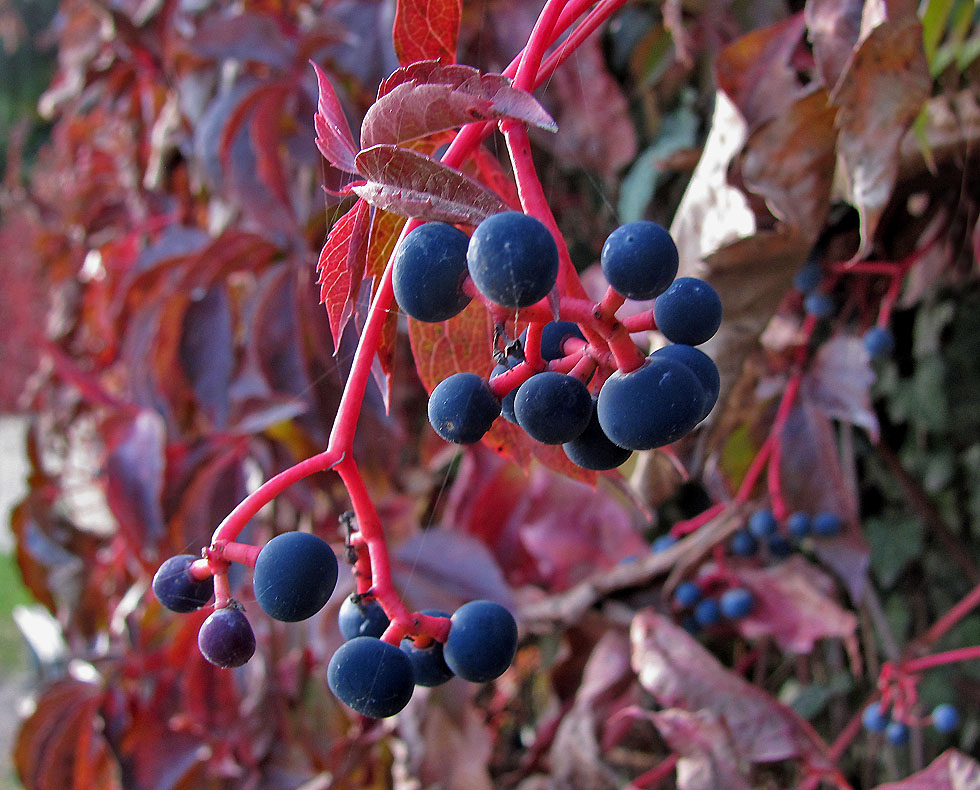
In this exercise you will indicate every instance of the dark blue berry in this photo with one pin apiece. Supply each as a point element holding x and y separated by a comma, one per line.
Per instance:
<point>363,617</point>
<point>874,718</point>
<point>176,589</point>
<point>371,676</point>
<point>428,663</point>
<point>507,402</point>
<point>743,544</point>
<point>707,612</point>
<point>945,717</point>
<point>295,574</point>
<point>701,365</point>
<point>462,408</point>
<point>553,337</point>
<point>226,638</point>
<point>808,278</point>
<point>879,342</point>
<point>897,733</point>
<point>512,259</point>
<point>482,641</point>
<point>819,304</point>
<point>762,524</point>
<point>827,524</point>
<point>430,267</point>
<point>553,408</point>
<point>736,603</point>
<point>798,525</point>
<point>688,312</point>
<point>687,594</point>
<point>652,406</point>
<point>592,449</point>
<point>778,546</point>
<point>639,260</point>
<point>662,543</point>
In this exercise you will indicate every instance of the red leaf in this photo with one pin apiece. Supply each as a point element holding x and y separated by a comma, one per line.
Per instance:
<point>413,185</point>
<point>267,137</point>
<point>426,29</point>
<point>341,267</point>
<point>708,760</point>
<point>449,97</point>
<point>333,135</point>
<point>839,383</point>
<point>680,673</point>
<point>793,604</point>
<point>952,770</point>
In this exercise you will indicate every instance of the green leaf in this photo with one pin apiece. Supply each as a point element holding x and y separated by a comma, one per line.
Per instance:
<point>895,542</point>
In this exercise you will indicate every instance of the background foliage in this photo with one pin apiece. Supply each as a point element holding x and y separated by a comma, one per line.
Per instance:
<point>162,252</point>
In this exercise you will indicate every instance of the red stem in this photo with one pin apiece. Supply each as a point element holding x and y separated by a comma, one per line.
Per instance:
<point>655,775</point>
<point>951,618</point>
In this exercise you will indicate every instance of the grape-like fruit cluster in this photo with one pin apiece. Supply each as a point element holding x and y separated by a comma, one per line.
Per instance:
<point>377,679</point>
<point>512,261</point>
<point>763,529</point>
<point>708,610</point>
<point>295,574</point>
<point>945,719</point>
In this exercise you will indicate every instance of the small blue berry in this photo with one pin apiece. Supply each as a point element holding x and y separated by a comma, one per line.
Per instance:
<point>879,342</point>
<point>690,625</point>
<point>798,525</point>
<point>808,278</point>
<point>819,304</point>
<point>827,524</point>
<point>687,594</point>
<point>736,603</point>
<point>945,718</point>
<point>743,544</point>
<point>708,612</point>
<point>779,547</point>
<point>874,718</point>
<point>663,543</point>
<point>897,733</point>
<point>762,524</point>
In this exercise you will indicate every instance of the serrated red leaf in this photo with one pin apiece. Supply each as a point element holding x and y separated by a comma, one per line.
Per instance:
<point>341,267</point>
<point>333,135</point>
<point>952,770</point>
<point>412,109</point>
<point>426,29</point>
<point>680,673</point>
<point>411,184</point>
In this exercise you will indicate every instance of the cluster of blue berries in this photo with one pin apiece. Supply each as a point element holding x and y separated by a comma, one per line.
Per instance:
<point>705,611</point>
<point>945,718</point>
<point>377,679</point>
<point>763,528</point>
<point>295,575</point>
<point>512,260</point>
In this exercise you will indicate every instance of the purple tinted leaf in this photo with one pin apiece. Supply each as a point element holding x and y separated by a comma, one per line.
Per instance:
<point>952,770</point>
<point>413,109</point>
<point>341,267</point>
<point>793,604</point>
<point>248,37</point>
<point>207,351</point>
<point>428,71</point>
<point>839,383</point>
<point>413,185</point>
<point>333,135</point>
<point>680,673</point>
<point>442,568</point>
<point>134,471</point>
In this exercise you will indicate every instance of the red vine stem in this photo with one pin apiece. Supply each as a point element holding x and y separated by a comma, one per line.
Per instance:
<point>953,616</point>
<point>939,659</point>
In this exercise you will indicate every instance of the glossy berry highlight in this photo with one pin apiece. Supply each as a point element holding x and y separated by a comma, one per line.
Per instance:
<point>226,638</point>
<point>295,574</point>
<point>371,676</point>
<point>512,259</point>
<point>176,589</point>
